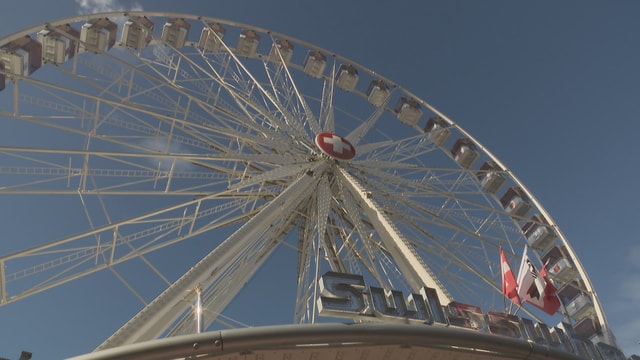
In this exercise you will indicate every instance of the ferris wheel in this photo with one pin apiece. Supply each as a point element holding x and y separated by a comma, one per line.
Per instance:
<point>189,156</point>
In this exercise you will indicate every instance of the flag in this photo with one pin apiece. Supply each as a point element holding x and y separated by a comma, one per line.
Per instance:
<point>532,287</point>
<point>551,300</point>
<point>509,285</point>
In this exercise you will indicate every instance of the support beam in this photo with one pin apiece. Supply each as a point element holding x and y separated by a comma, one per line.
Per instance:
<point>165,309</point>
<point>416,272</point>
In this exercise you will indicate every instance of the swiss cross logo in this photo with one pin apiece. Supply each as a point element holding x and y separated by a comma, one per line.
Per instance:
<point>335,146</point>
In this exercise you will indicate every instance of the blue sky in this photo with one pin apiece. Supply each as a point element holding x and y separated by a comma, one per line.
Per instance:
<point>551,88</point>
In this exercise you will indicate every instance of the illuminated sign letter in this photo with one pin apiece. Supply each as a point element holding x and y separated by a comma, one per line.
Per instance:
<point>505,324</point>
<point>538,332</point>
<point>466,316</point>
<point>559,336</point>
<point>391,305</point>
<point>583,348</point>
<point>432,301</point>
<point>341,295</point>
<point>612,352</point>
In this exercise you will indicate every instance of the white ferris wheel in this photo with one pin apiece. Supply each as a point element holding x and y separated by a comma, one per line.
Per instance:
<point>189,155</point>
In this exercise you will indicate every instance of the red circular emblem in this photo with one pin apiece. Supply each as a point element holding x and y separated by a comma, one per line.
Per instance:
<point>335,145</point>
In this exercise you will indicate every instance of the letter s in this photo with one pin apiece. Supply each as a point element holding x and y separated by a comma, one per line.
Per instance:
<point>341,295</point>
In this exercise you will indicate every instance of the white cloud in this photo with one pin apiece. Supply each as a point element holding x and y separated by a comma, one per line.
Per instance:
<point>626,322</point>
<point>164,164</point>
<point>633,255</point>
<point>628,335</point>
<point>96,6</point>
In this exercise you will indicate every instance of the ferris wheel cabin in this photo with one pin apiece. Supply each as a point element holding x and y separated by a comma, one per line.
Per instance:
<point>539,233</point>
<point>136,32</point>
<point>281,50</point>
<point>491,176</point>
<point>515,202</point>
<point>377,92</point>
<point>314,64</point>
<point>175,32</point>
<point>98,35</point>
<point>247,43</point>
<point>560,267</point>
<point>464,152</point>
<point>347,77</point>
<point>58,44</point>
<point>211,37</point>
<point>22,56</point>
<point>408,111</point>
<point>437,131</point>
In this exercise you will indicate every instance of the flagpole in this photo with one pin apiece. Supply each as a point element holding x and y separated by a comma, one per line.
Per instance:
<point>509,283</point>
<point>518,309</point>
<point>504,303</point>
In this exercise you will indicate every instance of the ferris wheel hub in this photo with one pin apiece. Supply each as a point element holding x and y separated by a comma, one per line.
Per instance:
<point>335,146</point>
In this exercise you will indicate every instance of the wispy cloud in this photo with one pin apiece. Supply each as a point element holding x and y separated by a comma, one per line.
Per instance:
<point>625,310</point>
<point>96,6</point>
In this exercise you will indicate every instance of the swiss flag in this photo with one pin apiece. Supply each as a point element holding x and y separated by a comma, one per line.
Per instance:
<point>509,285</point>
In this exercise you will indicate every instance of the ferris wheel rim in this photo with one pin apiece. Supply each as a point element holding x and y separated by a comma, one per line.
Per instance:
<point>539,206</point>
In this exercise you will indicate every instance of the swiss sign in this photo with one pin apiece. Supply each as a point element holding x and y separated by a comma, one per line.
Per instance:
<point>335,146</point>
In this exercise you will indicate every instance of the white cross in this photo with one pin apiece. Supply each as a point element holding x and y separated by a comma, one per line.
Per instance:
<point>338,144</point>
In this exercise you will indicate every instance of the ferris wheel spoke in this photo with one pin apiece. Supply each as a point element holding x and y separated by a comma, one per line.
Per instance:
<point>208,96</point>
<point>116,120</point>
<point>309,117</point>
<point>439,249</point>
<point>242,95</point>
<point>54,166</point>
<point>289,122</point>
<point>110,87</point>
<point>246,104</point>
<point>135,155</point>
<point>133,249</point>
<point>323,199</point>
<point>229,116</point>
<point>83,97</point>
<point>327,117</point>
<point>367,254</point>
<point>272,175</point>
<point>456,218</point>
<point>57,262</point>
<point>163,101</point>
<point>405,149</point>
<point>355,255</point>
<point>274,237</point>
<point>157,77</point>
<point>336,262</point>
<point>412,149</point>
<point>389,165</point>
<point>228,282</point>
<point>357,134</point>
<point>304,285</point>
<point>131,92</point>
<point>459,197</point>
<point>294,122</point>
<point>412,266</point>
<point>455,255</point>
<point>165,309</point>
<point>262,143</point>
